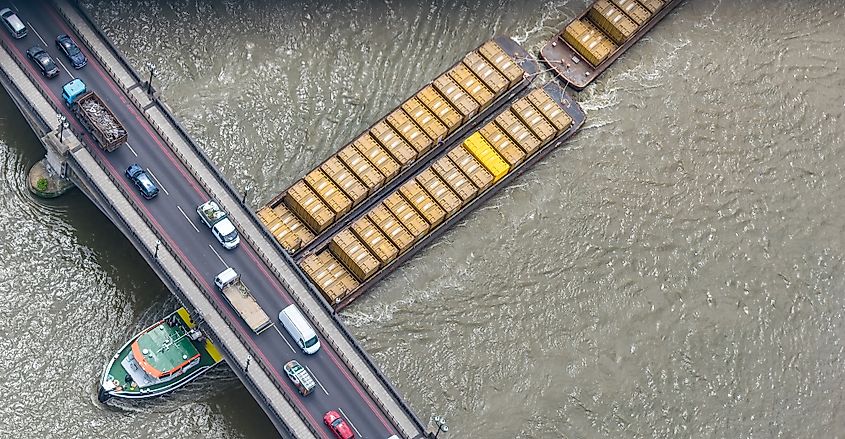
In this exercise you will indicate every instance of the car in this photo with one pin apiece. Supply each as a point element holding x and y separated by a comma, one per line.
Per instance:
<point>337,425</point>
<point>142,181</point>
<point>43,60</point>
<point>71,50</point>
<point>13,23</point>
<point>299,376</point>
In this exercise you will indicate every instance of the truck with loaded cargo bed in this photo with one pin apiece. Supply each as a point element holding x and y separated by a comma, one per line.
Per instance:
<point>238,295</point>
<point>94,115</point>
<point>218,221</point>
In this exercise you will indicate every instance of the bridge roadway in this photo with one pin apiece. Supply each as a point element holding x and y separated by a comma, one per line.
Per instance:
<point>347,379</point>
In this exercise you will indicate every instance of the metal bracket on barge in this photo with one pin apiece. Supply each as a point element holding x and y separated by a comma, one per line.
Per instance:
<point>592,41</point>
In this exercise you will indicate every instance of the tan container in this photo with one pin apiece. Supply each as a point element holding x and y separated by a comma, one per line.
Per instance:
<point>308,206</point>
<point>393,143</point>
<point>470,166</point>
<point>425,119</point>
<point>437,104</point>
<point>612,21</point>
<point>493,53</point>
<point>361,167</point>
<point>487,73</point>
<point>536,122</point>
<point>634,10</point>
<point>589,41</point>
<point>551,110</point>
<point>455,178</point>
<point>410,131</point>
<point>516,129</point>
<point>345,180</point>
<point>422,201</point>
<point>331,195</point>
<point>439,191</point>
<point>472,85</point>
<point>407,215</point>
<point>392,229</point>
<point>372,237</point>
<point>456,95</point>
<point>652,5</point>
<point>302,236</point>
<point>372,151</point>
<point>350,251</point>
<point>329,275</point>
<point>481,149</point>
<point>503,144</point>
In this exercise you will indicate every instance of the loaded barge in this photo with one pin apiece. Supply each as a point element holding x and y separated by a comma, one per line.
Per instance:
<point>591,42</point>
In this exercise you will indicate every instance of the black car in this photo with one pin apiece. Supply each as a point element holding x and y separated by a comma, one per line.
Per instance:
<point>143,181</point>
<point>71,51</point>
<point>42,59</point>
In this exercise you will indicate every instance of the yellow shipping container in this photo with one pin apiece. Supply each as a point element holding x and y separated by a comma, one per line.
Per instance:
<point>612,21</point>
<point>425,119</point>
<point>329,275</point>
<point>536,122</point>
<point>345,180</point>
<point>478,146</point>
<point>588,41</point>
<point>487,73</point>
<point>550,109</point>
<point>439,191</point>
<point>407,215</point>
<point>633,10</point>
<point>425,205</point>
<point>516,129</point>
<point>393,143</point>
<point>361,167</point>
<point>480,177</point>
<point>408,129</point>
<point>390,226</point>
<point>506,147</point>
<point>374,239</point>
<point>472,85</point>
<point>369,148</point>
<point>652,5</point>
<point>303,235</point>
<point>328,192</point>
<point>286,237</point>
<point>456,96</point>
<point>354,255</point>
<point>437,104</point>
<point>308,206</point>
<point>455,178</point>
<point>502,61</point>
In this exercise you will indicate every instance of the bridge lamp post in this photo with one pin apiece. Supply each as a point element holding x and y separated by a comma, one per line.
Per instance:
<point>441,426</point>
<point>152,68</point>
<point>63,124</point>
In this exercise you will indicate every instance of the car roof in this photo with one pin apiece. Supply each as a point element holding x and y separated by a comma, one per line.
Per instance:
<point>225,226</point>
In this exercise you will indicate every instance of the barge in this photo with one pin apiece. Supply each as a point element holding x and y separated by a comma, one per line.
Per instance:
<point>351,181</point>
<point>456,180</point>
<point>593,40</point>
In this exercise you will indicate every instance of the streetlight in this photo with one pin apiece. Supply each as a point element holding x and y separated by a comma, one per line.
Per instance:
<point>158,242</point>
<point>63,124</point>
<point>150,82</point>
<point>441,426</point>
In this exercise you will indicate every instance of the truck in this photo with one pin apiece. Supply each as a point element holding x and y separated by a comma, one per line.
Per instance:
<point>238,295</point>
<point>94,115</point>
<point>299,376</point>
<point>218,221</point>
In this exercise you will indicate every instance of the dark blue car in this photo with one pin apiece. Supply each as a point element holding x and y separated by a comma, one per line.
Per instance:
<point>142,180</point>
<point>71,51</point>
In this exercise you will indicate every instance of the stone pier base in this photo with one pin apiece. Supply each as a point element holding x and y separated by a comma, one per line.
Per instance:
<point>45,183</point>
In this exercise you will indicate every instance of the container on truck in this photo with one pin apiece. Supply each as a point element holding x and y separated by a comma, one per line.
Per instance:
<point>94,115</point>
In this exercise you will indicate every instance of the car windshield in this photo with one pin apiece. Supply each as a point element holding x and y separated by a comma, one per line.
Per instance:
<point>231,236</point>
<point>337,422</point>
<point>311,341</point>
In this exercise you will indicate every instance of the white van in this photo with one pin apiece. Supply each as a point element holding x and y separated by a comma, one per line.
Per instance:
<point>299,329</point>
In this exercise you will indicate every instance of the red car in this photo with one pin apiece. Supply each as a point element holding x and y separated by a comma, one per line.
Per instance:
<point>337,425</point>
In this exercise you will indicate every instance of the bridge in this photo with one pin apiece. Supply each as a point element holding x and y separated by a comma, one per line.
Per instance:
<point>178,247</point>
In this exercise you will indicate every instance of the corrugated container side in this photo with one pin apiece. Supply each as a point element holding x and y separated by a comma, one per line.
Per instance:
<point>393,143</point>
<point>456,95</point>
<point>408,129</point>
<point>633,10</point>
<point>329,276</point>
<point>390,226</point>
<point>286,237</point>
<point>502,61</point>
<point>455,178</point>
<point>472,85</point>
<point>331,195</point>
<point>612,21</point>
<point>559,118</point>
<point>652,5</point>
<point>506,147</point>
<point>516,129</point>
<point>374,239</point>
<point>308,206</point>
<point>488,74</point>
<point>345,180</point>
<point>425,205</point>
<point>487,156</point>
<point>534,119</point>
<point>303,235</point>
<point>425,119</point>
<point>372,151</point>
<point>439,191</point>
<point>353,254</point>
<point>590,42</point>
<point>407,215</point>
<point>470,166</point>
<point>437,104</point>
<point>361,167</point>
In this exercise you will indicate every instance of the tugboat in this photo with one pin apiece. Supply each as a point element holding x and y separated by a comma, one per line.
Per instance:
<point>159,360</point>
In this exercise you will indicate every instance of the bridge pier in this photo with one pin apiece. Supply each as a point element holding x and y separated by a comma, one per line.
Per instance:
<point>49,177</point>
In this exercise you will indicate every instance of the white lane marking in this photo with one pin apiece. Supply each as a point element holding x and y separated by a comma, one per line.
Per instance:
<point>15,7</point>
<point>283,338</point>
<point>218,255</point>
<point>131,149</point>
<point>159,183</point>
<point>188,219</point>
<point>349,421</point>
<point>318,381</point>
